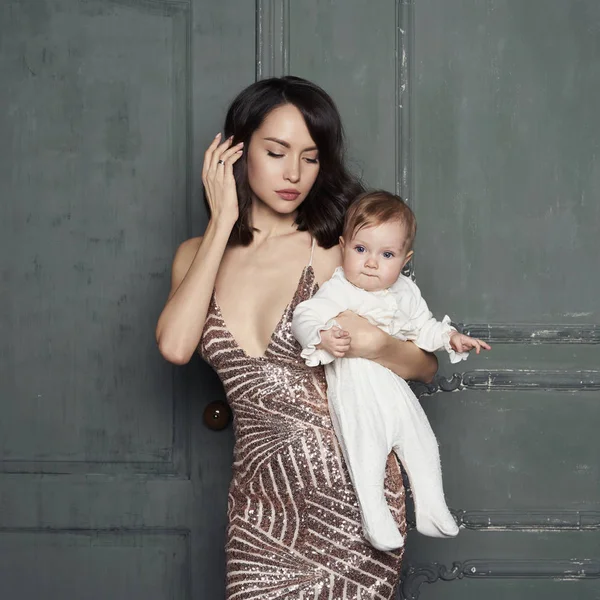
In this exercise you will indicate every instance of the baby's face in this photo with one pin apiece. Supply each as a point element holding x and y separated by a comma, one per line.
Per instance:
<point>374,257</point>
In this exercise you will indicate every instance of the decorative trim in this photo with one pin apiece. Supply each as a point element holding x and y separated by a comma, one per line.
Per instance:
<point>404,52</point>
<point>404,126</point>
<point>517,520</point>
<point>414,575</point>
<point>528,520</point>
<point>176,468</point>
<point>167,531</point>
<point>507,379</point>
<point>535,334</point>
<point>272,38</point>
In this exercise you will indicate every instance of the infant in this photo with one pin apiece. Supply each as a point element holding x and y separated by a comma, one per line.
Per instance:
<point>373,410</point>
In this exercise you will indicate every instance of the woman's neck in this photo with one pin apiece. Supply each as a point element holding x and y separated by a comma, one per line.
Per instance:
<point>270,223</point>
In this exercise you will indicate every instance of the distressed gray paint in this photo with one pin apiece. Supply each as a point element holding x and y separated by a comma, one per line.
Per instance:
<point>505,170</point>
<point>534,334</point>
<point>110,486</point>
<point>564,570</point>
<point>513,379</point>
<point>529,520</point>
<point>272,38</point>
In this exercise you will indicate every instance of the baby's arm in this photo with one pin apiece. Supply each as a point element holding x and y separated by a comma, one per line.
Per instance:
<point>335,341</point>
<point>314,327</point>
<point>464,343</point>
<point>432,335</point>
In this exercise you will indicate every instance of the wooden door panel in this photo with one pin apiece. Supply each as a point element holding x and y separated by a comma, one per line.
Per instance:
<point>505,161</point>
<point>482,115</point>
<point>533,449</point>
<point>351,49</point>
<point>96,110</point>
<point>110,485</point>
<point>96,565</point>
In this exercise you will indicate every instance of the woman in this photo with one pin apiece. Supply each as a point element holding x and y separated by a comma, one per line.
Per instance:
<point>277,191</point>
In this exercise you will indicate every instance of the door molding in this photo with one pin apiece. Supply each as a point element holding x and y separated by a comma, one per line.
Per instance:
<point>528,520</point>
<point>508,379</point>
<point>173,460</point>
<point>272,38</point>
<point>533,333</point>
<point>414,575</point>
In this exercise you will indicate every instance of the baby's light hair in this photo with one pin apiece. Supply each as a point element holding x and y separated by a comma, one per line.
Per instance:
<point>378,207</point>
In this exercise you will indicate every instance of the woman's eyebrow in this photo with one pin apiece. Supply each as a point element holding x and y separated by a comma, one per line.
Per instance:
<point>286,145</point>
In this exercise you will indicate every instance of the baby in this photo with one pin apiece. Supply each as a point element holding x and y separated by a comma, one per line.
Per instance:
<point>372,409</point>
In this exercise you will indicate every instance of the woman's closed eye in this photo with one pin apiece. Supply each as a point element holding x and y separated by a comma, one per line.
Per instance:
<point>312,161</point>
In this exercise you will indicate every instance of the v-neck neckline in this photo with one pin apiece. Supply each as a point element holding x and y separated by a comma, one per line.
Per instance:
<point>277,327</point>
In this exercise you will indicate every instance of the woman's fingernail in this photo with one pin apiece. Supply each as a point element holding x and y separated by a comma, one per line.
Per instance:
<point>218,135</point>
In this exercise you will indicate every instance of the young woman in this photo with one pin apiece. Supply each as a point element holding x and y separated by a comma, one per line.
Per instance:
<point>277,191</point>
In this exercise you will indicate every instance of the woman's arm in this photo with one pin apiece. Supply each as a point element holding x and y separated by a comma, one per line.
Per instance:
<point>195,268</point>
<point>403,358</point>
<point>197,261</point>
<point>406,359</point>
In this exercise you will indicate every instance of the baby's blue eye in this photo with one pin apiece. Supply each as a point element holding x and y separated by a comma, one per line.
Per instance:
<point>360,249</point>
<point>388,255</point>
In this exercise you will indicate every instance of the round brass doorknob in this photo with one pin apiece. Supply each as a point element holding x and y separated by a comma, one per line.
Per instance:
<point>217,415</point>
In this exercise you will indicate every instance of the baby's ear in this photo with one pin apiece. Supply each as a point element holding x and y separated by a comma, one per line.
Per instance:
<point>408,257</point>
<point>342,242</point>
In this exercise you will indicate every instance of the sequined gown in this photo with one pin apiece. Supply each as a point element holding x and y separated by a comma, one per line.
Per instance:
<point>294,527</point>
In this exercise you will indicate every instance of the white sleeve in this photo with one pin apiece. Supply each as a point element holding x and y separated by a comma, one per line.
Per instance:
<point>429,333</point>
<point>316,315</point>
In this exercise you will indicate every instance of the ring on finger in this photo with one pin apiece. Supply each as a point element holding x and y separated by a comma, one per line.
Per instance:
<point>220,162</point>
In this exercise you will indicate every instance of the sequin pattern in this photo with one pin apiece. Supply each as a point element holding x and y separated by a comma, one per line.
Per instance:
<point>294,527</point>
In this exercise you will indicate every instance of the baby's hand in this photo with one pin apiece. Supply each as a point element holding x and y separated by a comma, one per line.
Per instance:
<point>464,343</point>
<point>336,341</point>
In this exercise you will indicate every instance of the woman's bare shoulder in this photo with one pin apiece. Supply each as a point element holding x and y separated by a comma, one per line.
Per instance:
<point>183,259</point>
<point>326,261</point>
<point>186,251</point>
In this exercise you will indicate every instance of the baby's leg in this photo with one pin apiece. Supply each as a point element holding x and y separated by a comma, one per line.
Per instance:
<point>365,444</point>
<point>416,446</point>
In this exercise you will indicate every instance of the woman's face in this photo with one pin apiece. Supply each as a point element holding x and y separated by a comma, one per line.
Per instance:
<point>282,160</point>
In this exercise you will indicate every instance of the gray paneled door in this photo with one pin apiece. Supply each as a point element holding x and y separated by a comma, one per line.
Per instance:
<point>110,486</point>
<point>482,113</point>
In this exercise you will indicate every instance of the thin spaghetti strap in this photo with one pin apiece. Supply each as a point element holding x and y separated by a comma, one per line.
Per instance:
<point>312,251</point>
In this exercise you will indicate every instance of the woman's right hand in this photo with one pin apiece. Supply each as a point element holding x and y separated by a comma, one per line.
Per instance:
<point>218,180</point>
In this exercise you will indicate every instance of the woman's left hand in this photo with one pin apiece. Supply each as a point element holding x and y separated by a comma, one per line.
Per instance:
<point>367,340</point>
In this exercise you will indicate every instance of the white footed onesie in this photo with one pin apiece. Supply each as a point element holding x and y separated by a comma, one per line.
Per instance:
<point>373,410</point>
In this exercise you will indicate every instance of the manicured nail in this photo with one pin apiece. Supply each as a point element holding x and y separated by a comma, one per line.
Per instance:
<point>218,135</point>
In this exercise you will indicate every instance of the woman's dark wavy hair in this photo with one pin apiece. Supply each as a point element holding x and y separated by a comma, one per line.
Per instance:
<point>323,210</point>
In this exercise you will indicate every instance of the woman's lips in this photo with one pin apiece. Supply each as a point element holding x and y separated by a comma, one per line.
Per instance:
<point>288,194</point>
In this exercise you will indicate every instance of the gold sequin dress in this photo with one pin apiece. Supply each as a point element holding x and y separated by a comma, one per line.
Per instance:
<point>294,527</point>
